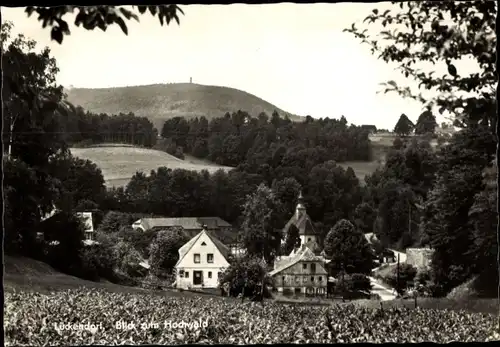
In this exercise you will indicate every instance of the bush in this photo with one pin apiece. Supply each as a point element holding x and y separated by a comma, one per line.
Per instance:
<point>407,274</point>
<point>114,221</point>
<point>141,241</point>
<point>63,236</point>
<point>358,282</point>
<point>164,251</point>
<point>98,262</point>
<point>128,260</point>
<point>245,276</point>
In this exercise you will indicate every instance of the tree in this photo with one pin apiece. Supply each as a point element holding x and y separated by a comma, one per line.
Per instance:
<point>404,126</point>
<point>31,105</point>
<point>408,40</point>
<point>113,221</point>
<point>287,191</point>
<point>292,240</point>
<point>348,249</point>
<point>164,252</point>
<point>246,276</point>
<point>82,179</point>
<point>446,221</point>
<point>364,217</point>
<point>426,123</point>
<point>63,236</point>
<point>262,224</point>
<point>101,17</point>
<point>402,278</point>
<point>483,217</point>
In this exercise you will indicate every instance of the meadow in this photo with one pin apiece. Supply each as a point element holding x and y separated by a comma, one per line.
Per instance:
<point>120,162</point>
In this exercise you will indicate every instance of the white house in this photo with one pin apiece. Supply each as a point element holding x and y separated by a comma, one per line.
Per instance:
<point>201,262</point>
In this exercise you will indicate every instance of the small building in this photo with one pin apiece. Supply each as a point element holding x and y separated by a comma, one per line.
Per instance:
<point>202,260</point>
<point>86,217</point>
<point>303,222</point>
<point>371,238</point>
<point>88,224</point>
<point>419,257</point>
<point>192,225</point>
<point>302,273</point>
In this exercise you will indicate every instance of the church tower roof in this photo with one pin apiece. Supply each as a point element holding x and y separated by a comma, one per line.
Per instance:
<point>301,219</point>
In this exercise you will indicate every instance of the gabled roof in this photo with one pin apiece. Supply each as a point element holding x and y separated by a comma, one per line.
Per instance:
<point>303,223</point>
<point>305,254</point>
<point>188,223</point>
<point>223,249</point>
<point>371,237</point>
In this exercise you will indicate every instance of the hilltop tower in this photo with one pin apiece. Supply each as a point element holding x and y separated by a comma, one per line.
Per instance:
<point>190,79</point>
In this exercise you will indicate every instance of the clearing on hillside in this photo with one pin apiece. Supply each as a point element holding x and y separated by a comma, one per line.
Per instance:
<point>159,102</point>
<point>120,163</point>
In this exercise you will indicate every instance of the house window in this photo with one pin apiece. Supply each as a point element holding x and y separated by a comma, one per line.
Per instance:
<point>210,274</point>
<point>308,239</point>
<point>313,267</point>
<point>297,279</point>
<point>320,278</point>
<point>203,243</point>
<point>181,273</point>
<point>312,278</point>
<point>283,279</point>
<point>304,266</point>
<point>210,258</point>
<point>196,258</point>
<point>186,274</point>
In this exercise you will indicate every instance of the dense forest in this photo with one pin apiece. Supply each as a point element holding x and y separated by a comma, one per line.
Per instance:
<point>241,139</point>
<point>83,128</point>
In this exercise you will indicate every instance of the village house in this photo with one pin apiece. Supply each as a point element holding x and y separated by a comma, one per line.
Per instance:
<point>202,260</point>
<point>302,274</point>
<point>86,217</point>
<point>419,257</point>
<point>387,256</point>
<point>88,225</point>
<point>191,225</point>
<point>307,234</point>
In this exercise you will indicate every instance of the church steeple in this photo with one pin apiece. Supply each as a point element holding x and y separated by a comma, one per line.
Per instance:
<point>301,209</point>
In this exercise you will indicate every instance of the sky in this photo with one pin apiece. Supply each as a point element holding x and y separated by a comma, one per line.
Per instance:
<point>294,56</point>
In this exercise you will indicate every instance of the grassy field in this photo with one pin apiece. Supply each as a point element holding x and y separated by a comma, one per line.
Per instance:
<point>120,163</point>
<point>361,168</point>
<point>159,102</point>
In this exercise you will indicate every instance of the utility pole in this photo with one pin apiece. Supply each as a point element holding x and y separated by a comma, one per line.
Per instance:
<point>409,217</point>
<point>343,283</point>
<point>397,277</point>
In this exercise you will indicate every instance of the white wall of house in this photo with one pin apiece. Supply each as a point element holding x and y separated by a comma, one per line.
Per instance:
<point>208,271</point>
<point>307,238</point>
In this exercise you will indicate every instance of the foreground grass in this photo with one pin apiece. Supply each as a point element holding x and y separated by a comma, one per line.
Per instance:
<point>34,319</point>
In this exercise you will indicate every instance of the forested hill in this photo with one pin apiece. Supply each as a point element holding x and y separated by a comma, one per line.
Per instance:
<point>159,102</point>
<point>270,146</point>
